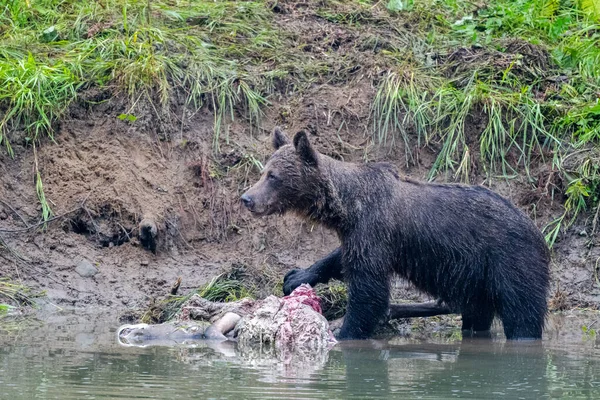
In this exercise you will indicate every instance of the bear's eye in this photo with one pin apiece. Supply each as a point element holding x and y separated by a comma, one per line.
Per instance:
<point>272,177</point>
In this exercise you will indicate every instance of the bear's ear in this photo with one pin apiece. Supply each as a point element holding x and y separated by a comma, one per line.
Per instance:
<point>279,139</point>
<point>304,149</point>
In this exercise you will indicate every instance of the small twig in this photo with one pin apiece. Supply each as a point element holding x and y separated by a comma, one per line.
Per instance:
<point>194,212</point>
<point>596,272</point>
<point>124,231</point>
<point>89,214</point>
<point>81,206</point>
<point>595,221</point>
<point>18,273</point>
<point>15,212</point>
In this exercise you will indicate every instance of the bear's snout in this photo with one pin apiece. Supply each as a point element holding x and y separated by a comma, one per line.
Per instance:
<point>247,201</point>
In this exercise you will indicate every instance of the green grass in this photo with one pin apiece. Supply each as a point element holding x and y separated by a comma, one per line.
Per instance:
<point>221,289</point>
<point>525,71</point>
<point>437,111</point>
<point>527,68</point>
<point>210,52</point>
<point>15,294</point>
<point>203,49</point>
<point>334,299</point>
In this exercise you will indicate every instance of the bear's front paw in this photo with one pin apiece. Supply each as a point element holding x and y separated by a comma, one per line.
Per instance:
<point>295,278</point>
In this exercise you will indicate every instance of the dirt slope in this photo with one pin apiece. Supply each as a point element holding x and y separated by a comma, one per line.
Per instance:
<point>102,176</point>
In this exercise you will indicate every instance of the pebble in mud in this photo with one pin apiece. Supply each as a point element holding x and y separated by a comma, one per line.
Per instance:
<point>85,269</point>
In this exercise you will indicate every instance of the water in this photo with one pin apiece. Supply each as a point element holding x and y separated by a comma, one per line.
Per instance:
<point>77,357</point>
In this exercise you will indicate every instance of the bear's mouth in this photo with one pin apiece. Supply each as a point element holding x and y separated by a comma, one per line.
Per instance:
<point>263,211</point>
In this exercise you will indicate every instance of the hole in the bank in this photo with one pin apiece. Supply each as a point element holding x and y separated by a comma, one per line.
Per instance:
<point>79,226</point>
<point>117,239</point>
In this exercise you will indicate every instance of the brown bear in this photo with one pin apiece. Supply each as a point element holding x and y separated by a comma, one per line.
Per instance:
<point>465,245</point>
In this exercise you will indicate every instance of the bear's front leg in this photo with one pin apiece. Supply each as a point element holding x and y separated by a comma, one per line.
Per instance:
<point>368,303</point>
<point>322,271</point>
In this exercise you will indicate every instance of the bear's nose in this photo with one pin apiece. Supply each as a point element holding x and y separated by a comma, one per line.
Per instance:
<point>247,200</point>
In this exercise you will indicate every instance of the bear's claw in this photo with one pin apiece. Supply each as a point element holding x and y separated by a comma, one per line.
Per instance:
<point>295,278</point>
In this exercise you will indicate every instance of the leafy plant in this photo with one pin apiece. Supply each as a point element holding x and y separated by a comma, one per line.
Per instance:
<point>221,289</point>
<point>127,117</point>
<point>588,332</point>
<point>5,308</point>
<point>400,5</point>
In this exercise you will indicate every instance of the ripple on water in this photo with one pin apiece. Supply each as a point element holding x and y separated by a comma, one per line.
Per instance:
<point>57,364</point>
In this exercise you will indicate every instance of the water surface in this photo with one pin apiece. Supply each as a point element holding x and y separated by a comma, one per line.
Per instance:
<point>75,356</point>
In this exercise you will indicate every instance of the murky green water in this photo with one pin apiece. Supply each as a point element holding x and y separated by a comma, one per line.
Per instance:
<point>78,358</point>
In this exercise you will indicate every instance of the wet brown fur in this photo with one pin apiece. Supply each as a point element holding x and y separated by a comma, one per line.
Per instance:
<point>465,245</point>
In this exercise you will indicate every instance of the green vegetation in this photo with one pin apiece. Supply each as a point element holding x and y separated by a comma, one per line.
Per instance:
<point>15,299</point>
<point>528,69</point>
<point>334,299</point>
<point>588,333</point>
<point>14,294</point>
<point>160,311</point>
<point>52,50</point>
<point>500,85</point>
<point>222,288</point>
<point>149,49</point>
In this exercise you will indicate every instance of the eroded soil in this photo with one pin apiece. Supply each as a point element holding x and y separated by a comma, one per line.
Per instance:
<point>102,176</point>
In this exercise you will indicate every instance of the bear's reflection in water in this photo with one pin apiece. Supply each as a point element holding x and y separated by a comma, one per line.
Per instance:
<point>475,368</point>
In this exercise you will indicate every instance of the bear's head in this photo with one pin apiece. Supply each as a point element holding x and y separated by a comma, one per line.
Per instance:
<point>291,178</point>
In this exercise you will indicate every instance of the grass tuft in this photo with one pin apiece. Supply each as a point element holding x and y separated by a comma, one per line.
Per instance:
<point>498,85</point>
<point>221,289</point>
<point>334,299</point>
<point>206,50</point>
<point>15,294</point>
<point>438,111</point>
<point>527,69</point>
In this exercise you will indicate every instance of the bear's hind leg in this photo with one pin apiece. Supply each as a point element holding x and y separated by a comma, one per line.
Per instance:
<point>525,325</point>
<point>477,323</point>
<point>523,318</point>
<point>522,332</point>
<point>523,311</point>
